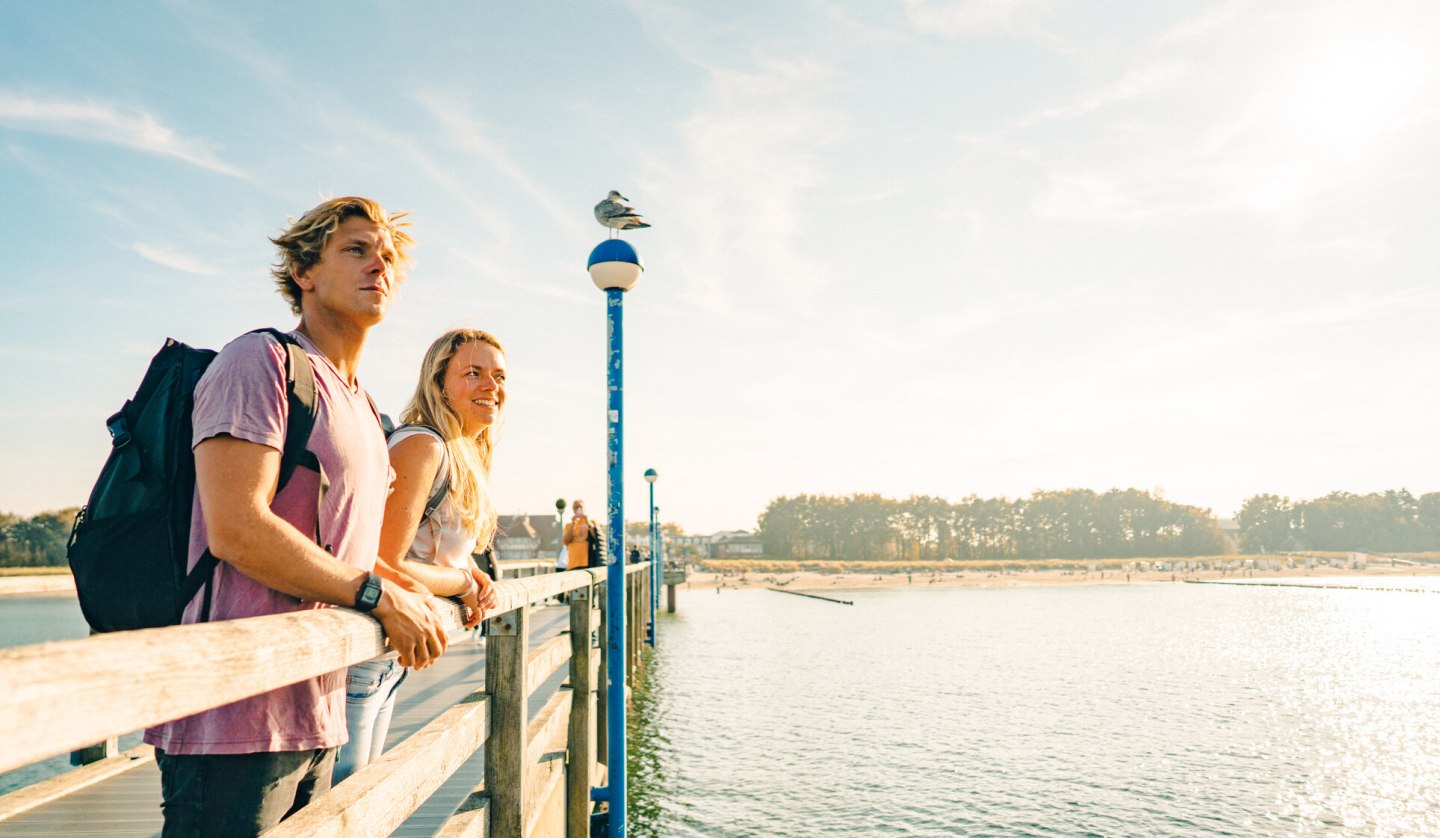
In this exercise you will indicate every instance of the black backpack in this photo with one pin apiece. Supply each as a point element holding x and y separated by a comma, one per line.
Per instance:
<point>595,547</point>
<point>129,547</point>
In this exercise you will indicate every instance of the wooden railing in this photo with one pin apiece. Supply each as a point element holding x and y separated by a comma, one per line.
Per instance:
<point>538,771</point>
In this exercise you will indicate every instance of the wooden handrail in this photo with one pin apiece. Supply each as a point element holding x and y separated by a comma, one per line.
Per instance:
<point>71,693</point>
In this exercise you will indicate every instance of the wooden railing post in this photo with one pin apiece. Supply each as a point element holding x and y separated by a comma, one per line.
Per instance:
<point>94,753</point>
<point>506,655</point>
<point>578,779</point>
<point>632,625</point>
<point>642,616</point>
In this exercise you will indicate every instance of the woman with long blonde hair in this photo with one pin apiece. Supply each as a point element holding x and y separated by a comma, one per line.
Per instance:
<point>438,514</point>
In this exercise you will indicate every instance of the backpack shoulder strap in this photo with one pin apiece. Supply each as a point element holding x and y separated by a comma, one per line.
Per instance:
<point>303,408</point>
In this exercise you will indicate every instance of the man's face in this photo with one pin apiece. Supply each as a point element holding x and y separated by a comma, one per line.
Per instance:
<point>355,276</point>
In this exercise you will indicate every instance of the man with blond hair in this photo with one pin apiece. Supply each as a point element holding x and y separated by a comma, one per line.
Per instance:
<point>240,768</point>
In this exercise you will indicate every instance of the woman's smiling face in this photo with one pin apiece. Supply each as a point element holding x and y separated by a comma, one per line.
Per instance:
<point>475,386</point>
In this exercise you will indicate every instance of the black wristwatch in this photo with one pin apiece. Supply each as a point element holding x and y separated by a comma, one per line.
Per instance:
<point>369,595</point>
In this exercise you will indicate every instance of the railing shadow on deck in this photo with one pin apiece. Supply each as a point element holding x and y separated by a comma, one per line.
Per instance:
<point>538,773</point>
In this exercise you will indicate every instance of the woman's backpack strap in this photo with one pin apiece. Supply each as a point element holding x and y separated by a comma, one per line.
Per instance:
<point>442,489</point>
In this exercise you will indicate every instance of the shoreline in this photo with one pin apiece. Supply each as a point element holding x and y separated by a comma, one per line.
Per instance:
<point>814,581</point>
<point>698,580</point>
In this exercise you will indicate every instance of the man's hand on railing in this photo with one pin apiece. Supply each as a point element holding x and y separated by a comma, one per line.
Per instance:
<point>412,624</point>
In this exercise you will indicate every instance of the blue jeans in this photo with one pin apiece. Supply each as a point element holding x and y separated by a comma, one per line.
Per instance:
<point>370,689</point>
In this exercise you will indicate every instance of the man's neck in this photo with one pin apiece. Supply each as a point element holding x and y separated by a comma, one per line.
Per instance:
<point>338,340</point>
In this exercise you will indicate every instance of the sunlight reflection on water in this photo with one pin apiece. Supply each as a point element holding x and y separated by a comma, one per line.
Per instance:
<point>1144,710</point>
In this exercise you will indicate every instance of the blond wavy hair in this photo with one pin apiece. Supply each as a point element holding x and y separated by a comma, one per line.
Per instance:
<point>304,240</point>
<point>468,457</point>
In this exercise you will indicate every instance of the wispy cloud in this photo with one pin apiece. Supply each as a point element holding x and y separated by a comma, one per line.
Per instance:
<point>1145,81</point>
<point>173,259</point>
<point>473,135</point>
<point>1370,250</point>
<point>505,273</point>
<point>1242,334</point>
<point>1299,109</point>
<point>955,18</point>
<point>751,152</point>
<point>107,123</point>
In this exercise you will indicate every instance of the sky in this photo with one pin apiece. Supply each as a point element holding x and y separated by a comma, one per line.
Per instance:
<point>905,247</point>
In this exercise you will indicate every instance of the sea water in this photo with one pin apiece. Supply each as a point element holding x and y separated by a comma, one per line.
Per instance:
<point>1144,710</point>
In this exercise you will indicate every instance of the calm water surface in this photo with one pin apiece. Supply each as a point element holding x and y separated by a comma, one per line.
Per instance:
<point>1155,710</point>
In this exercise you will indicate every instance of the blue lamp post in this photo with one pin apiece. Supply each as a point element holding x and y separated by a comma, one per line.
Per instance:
<point>615,267</point>
<point>650,477</point>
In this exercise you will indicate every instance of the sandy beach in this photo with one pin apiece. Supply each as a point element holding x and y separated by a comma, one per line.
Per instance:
<point>810,581</point>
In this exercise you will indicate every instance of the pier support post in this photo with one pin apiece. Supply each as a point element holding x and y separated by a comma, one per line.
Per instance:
<point>103,750</point>
<point>506,653</point>
<point>632,603</point>
<point>670,599</point>
<point>583,660</point>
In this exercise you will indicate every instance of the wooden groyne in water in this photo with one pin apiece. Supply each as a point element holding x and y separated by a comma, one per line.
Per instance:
<point>811,596</point>
<point>539,767</point>
<point>1245,583</point>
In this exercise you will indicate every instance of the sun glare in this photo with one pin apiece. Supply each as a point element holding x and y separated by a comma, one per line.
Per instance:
<point>1344,97</point>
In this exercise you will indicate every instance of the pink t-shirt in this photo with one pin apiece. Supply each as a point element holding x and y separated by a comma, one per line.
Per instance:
<point>242,394</point>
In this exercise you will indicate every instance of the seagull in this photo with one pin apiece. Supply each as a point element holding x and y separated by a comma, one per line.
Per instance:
<point>616,215</point>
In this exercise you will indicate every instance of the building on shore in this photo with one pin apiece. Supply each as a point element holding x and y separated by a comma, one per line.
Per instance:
<point>527,537</point>
<point>531,537</point>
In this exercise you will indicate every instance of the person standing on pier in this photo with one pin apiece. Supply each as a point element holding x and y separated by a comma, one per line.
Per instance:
<point>240,768</point>
<point>448,440</point>
<point>579,534</point>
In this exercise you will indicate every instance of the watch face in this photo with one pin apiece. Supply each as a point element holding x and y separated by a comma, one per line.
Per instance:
<point>369,595</point>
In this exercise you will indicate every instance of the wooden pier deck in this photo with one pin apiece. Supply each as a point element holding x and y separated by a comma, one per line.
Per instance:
<point>128,804</point>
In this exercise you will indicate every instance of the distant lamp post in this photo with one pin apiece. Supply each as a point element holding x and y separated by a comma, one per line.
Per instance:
<point>650,477</point>
<point>560,519</point>
<point>615,267</point>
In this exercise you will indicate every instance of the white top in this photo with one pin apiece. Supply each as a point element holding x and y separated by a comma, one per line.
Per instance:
<point>441,539</point>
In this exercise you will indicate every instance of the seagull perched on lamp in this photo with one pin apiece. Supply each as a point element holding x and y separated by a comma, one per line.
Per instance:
<point>616,215</point>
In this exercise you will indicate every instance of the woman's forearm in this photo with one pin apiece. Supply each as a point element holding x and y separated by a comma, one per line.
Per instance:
<point>442,581</point>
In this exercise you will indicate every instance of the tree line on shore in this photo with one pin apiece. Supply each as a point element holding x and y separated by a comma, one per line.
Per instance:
<point>1065,524</point>
<point>1084,524</point>
<point>1394,521</point>
<point>1068,524</point>
<point>37,541</point>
